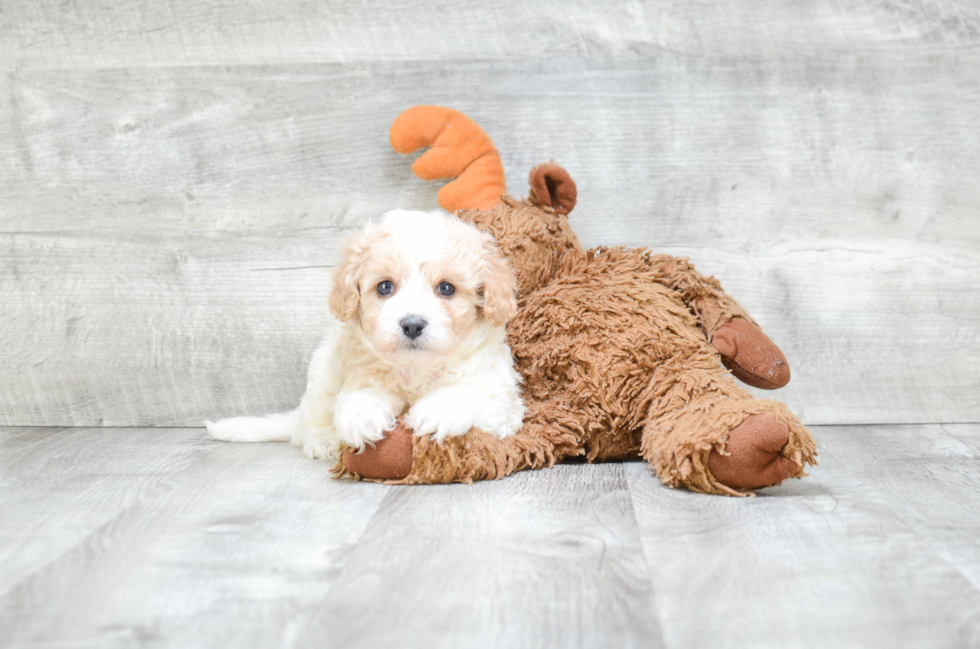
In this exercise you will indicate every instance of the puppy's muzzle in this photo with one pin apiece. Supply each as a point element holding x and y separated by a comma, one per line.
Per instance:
<point>412,326</point>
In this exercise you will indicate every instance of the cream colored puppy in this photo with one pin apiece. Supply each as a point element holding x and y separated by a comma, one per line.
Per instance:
<point>423,298</point>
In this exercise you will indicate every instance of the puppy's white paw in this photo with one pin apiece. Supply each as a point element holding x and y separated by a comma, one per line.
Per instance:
<point>317,449</point>
<point>321,444</point>
<point>442,414</point>
<point>362,417</point>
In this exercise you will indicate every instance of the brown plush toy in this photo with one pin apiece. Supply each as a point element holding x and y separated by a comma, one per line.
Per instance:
<point>621,350</point>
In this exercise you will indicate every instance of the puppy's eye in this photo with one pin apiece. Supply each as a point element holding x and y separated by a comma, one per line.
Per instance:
<point>385,287</point>
<point>446,289</point>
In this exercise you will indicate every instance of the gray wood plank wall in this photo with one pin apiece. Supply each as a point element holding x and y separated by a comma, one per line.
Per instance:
<point>175,179</point>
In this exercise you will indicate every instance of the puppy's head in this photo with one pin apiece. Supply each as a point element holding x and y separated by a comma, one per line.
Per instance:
<point>418,283</point>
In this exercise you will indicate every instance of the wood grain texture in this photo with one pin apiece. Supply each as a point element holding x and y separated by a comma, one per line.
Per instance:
<point>167,233</point>
<point>124,33</point>
<point>123,537</point>
<point>929,474</point>
<point>116,538</point>
<point>543,559</point>
<point>861,553</point>
<point>59,486</point>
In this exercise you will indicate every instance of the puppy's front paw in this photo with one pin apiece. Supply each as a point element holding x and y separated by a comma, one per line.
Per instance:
<point>321,445</point>
<point>362,418</point>
<point>317,450</point>
<point>441,414</point>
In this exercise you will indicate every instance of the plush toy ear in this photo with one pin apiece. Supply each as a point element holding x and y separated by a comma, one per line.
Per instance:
<point>345,295</point>
<point>553,187</point>
<point>499,286</point>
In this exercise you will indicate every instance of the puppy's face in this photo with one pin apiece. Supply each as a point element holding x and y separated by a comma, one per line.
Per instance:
<point>418,283</point>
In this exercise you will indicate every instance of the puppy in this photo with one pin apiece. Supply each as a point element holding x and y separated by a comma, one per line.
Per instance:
<point>423,298</point>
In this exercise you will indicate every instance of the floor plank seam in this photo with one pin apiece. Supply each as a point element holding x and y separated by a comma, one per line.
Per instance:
<point>965,443</point>
<point>924,538</point>
<point>139,502</point>
<point>646,560</point>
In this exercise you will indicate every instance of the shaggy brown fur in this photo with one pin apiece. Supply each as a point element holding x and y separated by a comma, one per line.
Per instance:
<point>615,349</point>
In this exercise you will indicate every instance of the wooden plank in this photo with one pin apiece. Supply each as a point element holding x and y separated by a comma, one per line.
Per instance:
<point>59,486</point>
<point>541,559</point>
<point>965,433</point>
<point>682,152</point>
<point>152,331</point>
<point>124,33</point>
<point>929,475</point>
<point>168,538</point>
<point>825,561</point>
<point>218,335</point>
<point>166,233</point>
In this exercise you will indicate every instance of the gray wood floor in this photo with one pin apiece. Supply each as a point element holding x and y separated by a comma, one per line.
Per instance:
<point>119,537</point>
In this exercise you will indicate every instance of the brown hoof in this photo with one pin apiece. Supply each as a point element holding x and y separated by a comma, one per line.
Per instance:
<point>389,459</point>
<point>753,459</point>
<point>750,355</point>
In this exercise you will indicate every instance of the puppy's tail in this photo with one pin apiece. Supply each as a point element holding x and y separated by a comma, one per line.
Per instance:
<point>278,427</point>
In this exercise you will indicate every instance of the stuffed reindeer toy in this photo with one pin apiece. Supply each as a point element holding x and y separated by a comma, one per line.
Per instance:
<point>623,353</point>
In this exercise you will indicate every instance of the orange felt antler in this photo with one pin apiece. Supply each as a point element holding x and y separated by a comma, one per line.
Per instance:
<point>458,148</point>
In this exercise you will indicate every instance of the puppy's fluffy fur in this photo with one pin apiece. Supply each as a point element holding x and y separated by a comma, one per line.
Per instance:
<point>454,374</point>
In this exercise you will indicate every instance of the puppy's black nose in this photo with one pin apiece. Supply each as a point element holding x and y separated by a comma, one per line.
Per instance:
<point>412,326</point>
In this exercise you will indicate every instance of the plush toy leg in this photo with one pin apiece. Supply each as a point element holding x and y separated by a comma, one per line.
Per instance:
<point>403,458</point>
<point>705,433</point>
<point>750,355</point>
<point>701,293</point>
<point>388,459</point>
<point>745,349</point>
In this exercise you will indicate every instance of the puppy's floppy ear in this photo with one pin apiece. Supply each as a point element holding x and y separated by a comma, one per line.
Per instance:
<point>499,286</point>
<point>345,295</point>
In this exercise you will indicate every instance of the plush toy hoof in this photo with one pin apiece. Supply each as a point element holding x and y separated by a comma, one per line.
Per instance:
<point>389,459</point>
<point>750,355</point>
<point>753,457</point>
